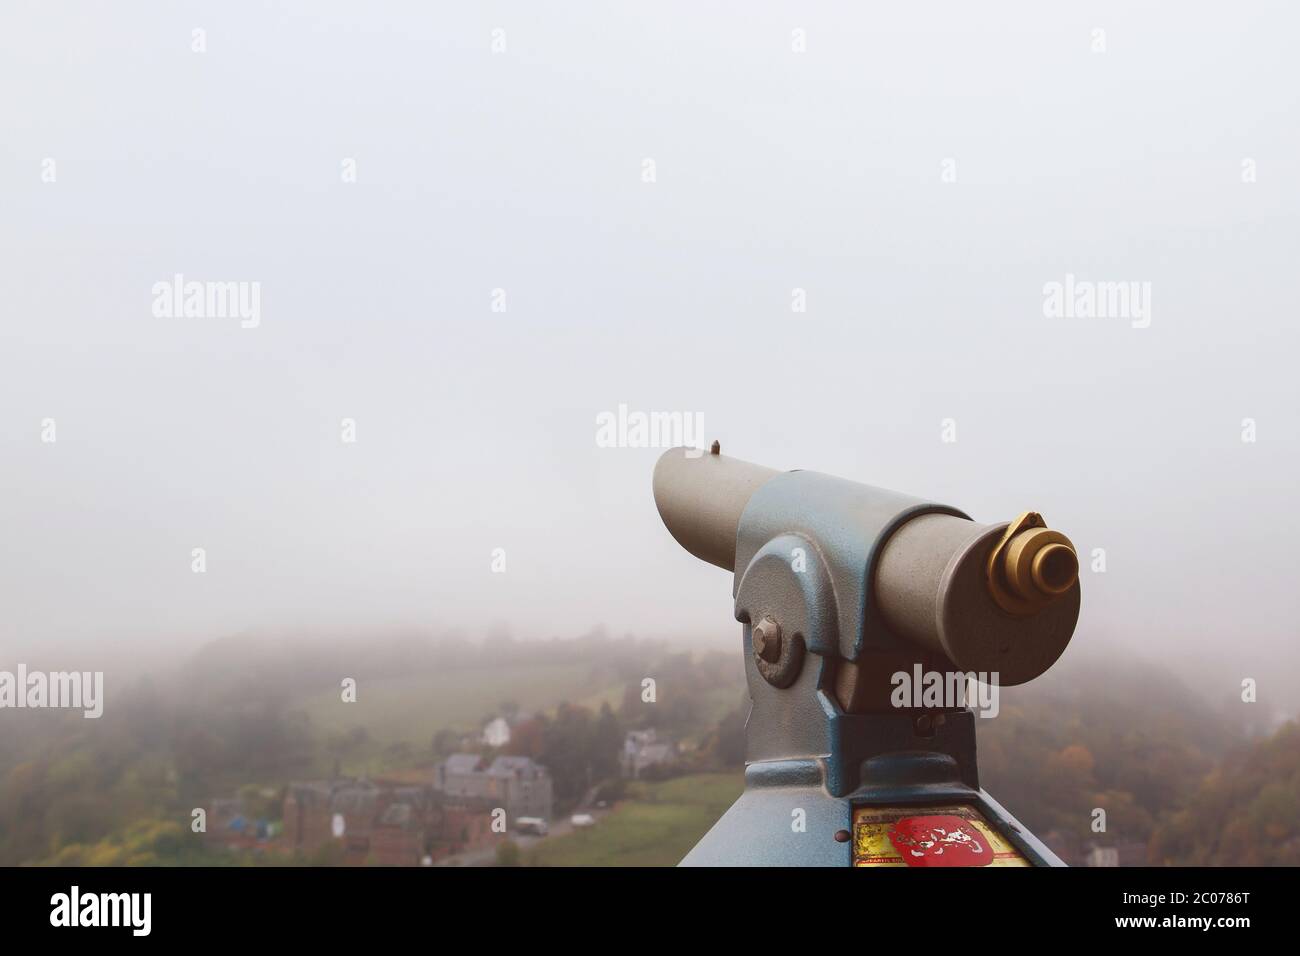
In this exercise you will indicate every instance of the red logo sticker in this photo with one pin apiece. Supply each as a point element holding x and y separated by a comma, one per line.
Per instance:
<point>940,841</point>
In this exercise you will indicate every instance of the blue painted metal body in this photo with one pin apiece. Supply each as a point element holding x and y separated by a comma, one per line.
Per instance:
<point>805,553</point>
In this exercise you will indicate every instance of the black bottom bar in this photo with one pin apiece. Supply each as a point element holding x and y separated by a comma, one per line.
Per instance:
<point>330,905</point>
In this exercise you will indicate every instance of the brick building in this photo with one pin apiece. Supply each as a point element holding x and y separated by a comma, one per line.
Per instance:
<point>381,823</point>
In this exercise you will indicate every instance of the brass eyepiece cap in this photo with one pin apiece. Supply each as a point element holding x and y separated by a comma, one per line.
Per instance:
<point>1031,566</point>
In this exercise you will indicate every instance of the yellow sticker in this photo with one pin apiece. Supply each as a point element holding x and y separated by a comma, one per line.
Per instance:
<point>953,835</point>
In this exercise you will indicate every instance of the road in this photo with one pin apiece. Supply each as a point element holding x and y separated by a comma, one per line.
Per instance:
<point>487,856</point>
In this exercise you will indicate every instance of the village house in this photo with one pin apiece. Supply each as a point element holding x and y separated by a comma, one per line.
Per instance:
<point>519,785</point>
<point>381,823</point>
<point>499,731</point>
<point>642,749</point>
<point>496,732</point>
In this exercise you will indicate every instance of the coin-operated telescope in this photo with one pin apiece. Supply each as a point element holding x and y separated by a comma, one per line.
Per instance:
<point>870,620</point>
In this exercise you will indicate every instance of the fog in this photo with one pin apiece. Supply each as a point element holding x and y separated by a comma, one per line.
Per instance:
<point>920,173</point>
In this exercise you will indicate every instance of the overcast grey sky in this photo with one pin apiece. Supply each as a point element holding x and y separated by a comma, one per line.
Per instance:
<point>828,170</point>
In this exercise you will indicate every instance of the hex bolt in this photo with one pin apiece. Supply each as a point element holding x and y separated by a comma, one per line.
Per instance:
<point>767,639</point>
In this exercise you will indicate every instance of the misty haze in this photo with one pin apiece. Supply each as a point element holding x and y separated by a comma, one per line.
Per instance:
<point>318,348</point>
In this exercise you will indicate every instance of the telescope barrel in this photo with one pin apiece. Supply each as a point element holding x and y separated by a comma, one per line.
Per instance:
<point>955,586</point>
<point>701,497</point>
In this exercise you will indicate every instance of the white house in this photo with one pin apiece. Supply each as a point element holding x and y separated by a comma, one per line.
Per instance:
<point>497,732</point>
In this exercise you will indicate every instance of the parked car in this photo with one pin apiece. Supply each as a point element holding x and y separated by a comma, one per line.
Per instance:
<point>582,820</point>
<point>535,826</point>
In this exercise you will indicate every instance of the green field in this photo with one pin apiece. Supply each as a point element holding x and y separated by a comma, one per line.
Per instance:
<point>413,709</point>
<point>656,825</point>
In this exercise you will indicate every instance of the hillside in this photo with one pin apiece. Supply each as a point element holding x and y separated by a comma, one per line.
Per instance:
<point>1169,769</point>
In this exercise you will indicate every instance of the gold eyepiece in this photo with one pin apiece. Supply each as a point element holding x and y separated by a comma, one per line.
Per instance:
<point>1054,569</point>
<point>1031,566</point>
